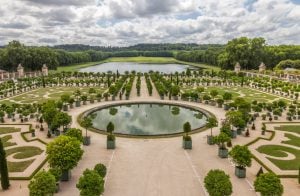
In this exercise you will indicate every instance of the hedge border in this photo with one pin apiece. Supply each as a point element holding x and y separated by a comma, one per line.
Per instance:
<point>269,139</point>
<point>25,139</point>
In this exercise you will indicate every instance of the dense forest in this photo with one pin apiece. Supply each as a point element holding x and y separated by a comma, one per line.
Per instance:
<point>248,52</point>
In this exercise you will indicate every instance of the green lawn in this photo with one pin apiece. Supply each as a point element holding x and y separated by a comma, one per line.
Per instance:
<point>43,94</point>
<point>24,152</point>
<point>140,59</point>
<point>289,128</point>
<point>244,92</point>
<point>18,166</point>
<point>5,130</point>
<point>6,142</point>
<point>293,140</point>
<point>280,151</point>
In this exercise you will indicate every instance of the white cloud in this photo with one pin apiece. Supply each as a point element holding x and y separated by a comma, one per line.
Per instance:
<point>126,22</point>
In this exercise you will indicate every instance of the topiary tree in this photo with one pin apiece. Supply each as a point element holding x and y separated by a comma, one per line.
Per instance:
<point>90,183</point>
<point>211,123</point>
<point>100,169</point>
<point>76,133</point>
<point>3,168</point>
<point>217,183</point>
<point>268,184</point>
<point>43,183</point>
<point>64,153</point>
<point>241,156</point>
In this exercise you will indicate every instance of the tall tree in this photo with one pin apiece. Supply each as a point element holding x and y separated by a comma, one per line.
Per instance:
<point>3,168</point>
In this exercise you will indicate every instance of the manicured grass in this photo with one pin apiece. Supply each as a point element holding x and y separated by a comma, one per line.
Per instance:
<point>43,94</point>
<point>6,142</point>
<point>5,130</point>
<point>293,140</point>
<point>243,92</point>
<point>19,166</point>
<point>280,151</point>
<point>140,59</point>
<point>289,128</point>
<point>24,152</point>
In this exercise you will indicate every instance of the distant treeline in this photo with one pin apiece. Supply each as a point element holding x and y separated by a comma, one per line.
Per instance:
<point>32,58</point>
<point>248,52</point>
<point>138,47</point>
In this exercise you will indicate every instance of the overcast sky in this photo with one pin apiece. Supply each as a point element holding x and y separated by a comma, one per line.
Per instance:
<point>128,22</point>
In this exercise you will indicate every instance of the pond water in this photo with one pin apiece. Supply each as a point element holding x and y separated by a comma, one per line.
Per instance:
<point>138,67</point>
<point>148,119</point>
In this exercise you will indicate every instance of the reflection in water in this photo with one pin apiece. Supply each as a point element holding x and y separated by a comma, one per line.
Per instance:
<point>148,119</point>
<point>122,67</point>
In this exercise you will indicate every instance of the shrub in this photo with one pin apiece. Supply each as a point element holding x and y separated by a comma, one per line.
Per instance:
<point>90,183</point>
<point>217,183</point>
<point>241,156</point>
<point>100,169</point>
<point>43,183</point>
<point>268,184</point>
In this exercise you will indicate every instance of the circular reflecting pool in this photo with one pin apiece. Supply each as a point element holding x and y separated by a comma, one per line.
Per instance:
<point>148,119</point>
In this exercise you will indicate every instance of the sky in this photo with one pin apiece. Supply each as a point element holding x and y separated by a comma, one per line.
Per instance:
<point>129,22</point>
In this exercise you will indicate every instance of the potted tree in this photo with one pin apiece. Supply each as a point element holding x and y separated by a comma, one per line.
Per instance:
<point>112,90</point>
<point>100,169</point>
<point>63,153</point>
<point>111,139</point>
<point>241,156</point>
<point>268,184</point>
<point>32,131</point>
<point>86,123</point>
<point>43,183</point>
<point>57,174</point>
<point>220,140</point>
<point>186,139</point>
<point>218,183</point>
<point>90,183</point>
<point>76,133</point>
<point>211,123</point>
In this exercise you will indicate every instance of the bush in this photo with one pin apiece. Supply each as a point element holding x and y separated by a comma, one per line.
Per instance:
<point>76,133</point>
<point>100,169</point>
<point>42,184</point>
<point>268,184</point>
<point>217,183</point>
<point>241,156</point>
<point>64,152</point>
<point>90,183</point>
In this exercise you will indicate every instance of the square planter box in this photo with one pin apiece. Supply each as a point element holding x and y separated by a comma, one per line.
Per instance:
<point>77,104</point>
<point>113,98</point>
<point>233,133</point>
<point>66,175</point>
<point>92,101</point>
<point>127,97</point>
<point>110,144</point>
<point>223,153</point>
<point>71,106</point>
<point>65,108</point>
<point>239,131</point>
<point>84,103</point>
<point>187,144</point>
<point>240,172</point>
<point>86,140</point>
<point>210,140</point>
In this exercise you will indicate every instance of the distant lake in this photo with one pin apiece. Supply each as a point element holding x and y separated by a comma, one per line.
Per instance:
<point>138,67</point>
